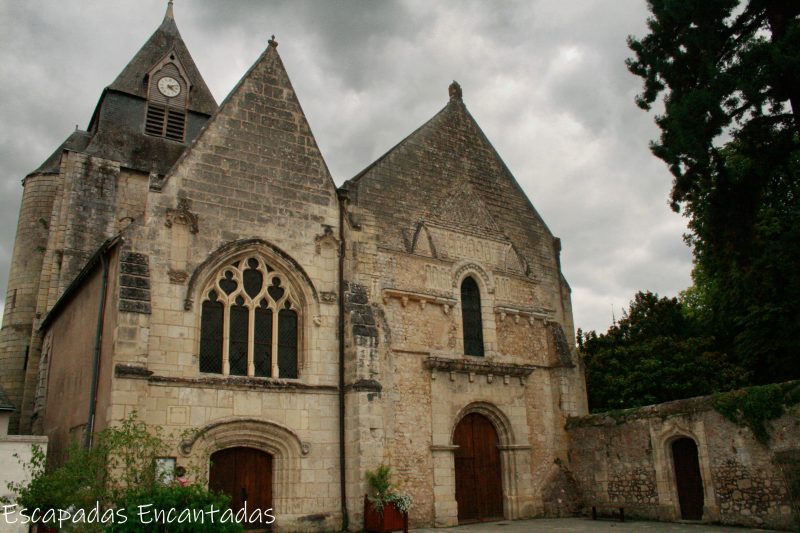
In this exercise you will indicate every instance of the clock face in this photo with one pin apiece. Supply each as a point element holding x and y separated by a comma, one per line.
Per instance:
<point>169,87</point>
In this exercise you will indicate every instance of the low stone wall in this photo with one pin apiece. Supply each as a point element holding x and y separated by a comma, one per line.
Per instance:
<point>624,459</point>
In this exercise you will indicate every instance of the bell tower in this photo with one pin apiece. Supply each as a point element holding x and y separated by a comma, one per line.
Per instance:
<point>75,200</point>
<point>167,97</point>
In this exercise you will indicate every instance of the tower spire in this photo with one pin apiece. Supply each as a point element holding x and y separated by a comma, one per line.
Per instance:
<point>169,15</point>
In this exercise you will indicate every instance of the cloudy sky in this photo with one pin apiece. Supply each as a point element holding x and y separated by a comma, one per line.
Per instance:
<point>545,79</point>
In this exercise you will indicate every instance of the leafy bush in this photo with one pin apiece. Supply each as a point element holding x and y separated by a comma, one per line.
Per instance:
<point>655,353</point>
<point>112,479</point>
<point>164,497</point>
<point>753,407</point>
<point>77,484</point>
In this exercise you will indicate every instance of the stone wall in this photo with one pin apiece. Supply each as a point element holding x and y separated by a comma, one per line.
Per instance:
<point>23,286</point>
<point>253,184</point>
<point>624,459</point>
<point>409,383</point>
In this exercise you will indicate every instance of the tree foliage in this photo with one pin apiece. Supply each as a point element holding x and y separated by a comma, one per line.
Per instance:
<point>727,73</point>
<point>119,472</point>
<point>656,353</point>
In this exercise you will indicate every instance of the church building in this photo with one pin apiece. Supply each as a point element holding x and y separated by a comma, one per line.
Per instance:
<point>197,264</point>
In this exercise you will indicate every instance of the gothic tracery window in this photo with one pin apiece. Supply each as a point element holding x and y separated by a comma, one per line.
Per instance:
<point>471,317</point>
<point>249,323</point>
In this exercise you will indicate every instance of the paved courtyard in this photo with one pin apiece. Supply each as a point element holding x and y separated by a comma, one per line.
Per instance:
<point>581,525</point>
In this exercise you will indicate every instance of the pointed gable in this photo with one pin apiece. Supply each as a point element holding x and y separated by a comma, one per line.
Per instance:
<point>448,173</point>
<point>256,161</point>
<point>166,39</point>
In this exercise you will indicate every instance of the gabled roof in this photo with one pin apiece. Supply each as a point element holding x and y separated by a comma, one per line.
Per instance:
<point>415,181</point>
<point>164,40</point>
<point>262,123</point>
<point>75,286</point>
<point>115,130</point>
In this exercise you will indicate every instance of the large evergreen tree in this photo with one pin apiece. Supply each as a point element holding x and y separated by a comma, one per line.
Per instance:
<point>657,352</point>
<point>727,73</point>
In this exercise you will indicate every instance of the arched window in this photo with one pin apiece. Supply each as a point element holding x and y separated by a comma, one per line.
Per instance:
<point>249,323</point>
<point>471,316</point>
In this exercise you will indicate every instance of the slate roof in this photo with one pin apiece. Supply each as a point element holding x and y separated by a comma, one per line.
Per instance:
<point>445,161</point>
<point>77,142</point>
<point>5,404</point>
<point>116,129</point>
<point>165,39</point>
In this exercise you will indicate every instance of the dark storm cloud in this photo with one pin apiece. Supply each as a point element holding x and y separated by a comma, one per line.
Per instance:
<point>545,79</point>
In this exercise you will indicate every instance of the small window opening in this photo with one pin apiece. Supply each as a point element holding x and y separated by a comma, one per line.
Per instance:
<point>165,121</point>
<point>471,317</point>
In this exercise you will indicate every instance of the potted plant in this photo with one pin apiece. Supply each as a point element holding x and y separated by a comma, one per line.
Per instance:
<point>385,510</point>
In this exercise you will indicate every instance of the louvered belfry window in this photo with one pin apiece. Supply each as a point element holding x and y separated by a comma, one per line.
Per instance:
<point>166,117</point>
<point>471,317</point>
<point>165,121</point>
<point>239,333</point>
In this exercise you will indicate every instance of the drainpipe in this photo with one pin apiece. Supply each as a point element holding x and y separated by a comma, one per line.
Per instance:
<point>98,337</point>
<point>342,195</point>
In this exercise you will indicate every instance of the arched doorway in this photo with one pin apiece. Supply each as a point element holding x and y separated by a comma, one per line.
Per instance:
<point>688,481</point>
<point>244,474</point>
<point>479,486</point>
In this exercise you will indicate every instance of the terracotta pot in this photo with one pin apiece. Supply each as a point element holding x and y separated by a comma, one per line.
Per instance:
<point>391,519</point>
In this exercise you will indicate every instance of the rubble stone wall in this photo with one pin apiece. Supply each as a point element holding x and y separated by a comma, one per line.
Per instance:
<point>624,459</point>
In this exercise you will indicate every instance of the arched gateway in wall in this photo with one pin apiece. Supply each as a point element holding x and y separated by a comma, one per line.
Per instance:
<point>688,481</point>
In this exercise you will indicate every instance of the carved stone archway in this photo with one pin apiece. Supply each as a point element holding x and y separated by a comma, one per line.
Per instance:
<point>511,458</point>
<point>666,483</point>
<point>275,439</point>
<point>499,420</point>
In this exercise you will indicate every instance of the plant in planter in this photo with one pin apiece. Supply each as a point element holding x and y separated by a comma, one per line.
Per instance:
<point>386,510</point>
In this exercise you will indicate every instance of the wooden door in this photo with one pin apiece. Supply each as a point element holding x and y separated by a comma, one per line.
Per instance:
<point>244,474</point>
<point>479,487</point>
<point>687,478</point>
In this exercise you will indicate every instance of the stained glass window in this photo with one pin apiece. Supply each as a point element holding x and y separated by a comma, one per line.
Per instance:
<point>211,336</point>
<point>237,327</point>
<point>287,343</point>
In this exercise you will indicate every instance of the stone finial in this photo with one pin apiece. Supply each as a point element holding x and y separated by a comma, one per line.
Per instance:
<point>455,91</point>
<point>272,42</point>
<point>169,15</point>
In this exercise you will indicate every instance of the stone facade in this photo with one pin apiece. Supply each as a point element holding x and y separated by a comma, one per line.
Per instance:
<point>126,239</point>
<point>626,460</point>
<point>131,253</point>
<point>436,209</point>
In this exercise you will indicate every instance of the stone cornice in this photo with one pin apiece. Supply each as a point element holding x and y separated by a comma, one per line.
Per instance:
<point>422,298</point>
<point>466,366</point>
<point>513,447</point>
<point>531,313</point>
<point>222,382</point>
<point>444,447</point>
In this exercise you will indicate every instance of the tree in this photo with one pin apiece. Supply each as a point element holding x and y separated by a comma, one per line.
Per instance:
<point>728,75</point>
<point>90,489</point>
<point>655,353</point>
